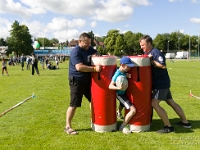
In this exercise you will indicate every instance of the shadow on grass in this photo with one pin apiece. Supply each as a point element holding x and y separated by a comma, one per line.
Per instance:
<point>90,129</point>
<point>119,122</point>
<point>32,76</point>
<point>63,68</point>
<point>50,74</point>
<point>157,124</point>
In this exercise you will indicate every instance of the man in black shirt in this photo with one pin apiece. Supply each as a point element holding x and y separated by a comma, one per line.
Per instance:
<point>161,86</point>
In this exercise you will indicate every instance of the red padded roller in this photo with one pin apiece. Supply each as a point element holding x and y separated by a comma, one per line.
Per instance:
<point>103,99</point>
<point>139,93</point>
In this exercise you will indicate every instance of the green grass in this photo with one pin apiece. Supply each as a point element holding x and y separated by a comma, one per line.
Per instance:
<point>39,123</point>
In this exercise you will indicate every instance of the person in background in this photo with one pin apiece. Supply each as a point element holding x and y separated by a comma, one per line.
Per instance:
<point>4,67</point>
<point>161,86</point>
<point>46,62</point>
<point>125,64</point>
<point>22,59</point>
<point>34,65</point>
<point>57,62</point>
<point>28,62</point>
<point>42,62</point>
<point>79,77</point>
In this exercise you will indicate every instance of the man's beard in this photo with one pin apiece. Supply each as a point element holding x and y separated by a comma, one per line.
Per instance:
<point>85,47</point>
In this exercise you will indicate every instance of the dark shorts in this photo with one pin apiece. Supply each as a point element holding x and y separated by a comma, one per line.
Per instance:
<point>124,101</point>
<point>22,64</point>
<point>77,90</point>
<point>4,68</point>
<point>161,94</point>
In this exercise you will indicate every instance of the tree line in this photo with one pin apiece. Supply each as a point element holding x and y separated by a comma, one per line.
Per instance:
<point>115,43</point>
<point>119,44</point>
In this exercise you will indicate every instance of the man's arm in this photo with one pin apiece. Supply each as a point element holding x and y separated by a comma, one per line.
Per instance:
<point>155,63</point>
<point>158,65</point>
<point>84,68</point>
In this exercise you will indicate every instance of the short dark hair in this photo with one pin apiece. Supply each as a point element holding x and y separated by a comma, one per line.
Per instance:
<point>147,38</point>
<point>84,35</point>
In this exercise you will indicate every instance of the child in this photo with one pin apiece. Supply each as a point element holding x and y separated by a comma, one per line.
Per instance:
<point>119,114</point>
<point>4,67</point>
<point>125,64</point>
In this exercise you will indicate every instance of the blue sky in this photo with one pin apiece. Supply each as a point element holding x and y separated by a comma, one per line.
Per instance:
<point>67,19</point>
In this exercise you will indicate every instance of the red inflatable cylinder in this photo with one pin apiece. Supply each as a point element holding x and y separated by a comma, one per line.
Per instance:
<point>103,105</point>
<point>139,93</point>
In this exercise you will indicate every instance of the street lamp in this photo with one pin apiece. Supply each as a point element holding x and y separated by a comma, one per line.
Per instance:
<point>178,44</point>
<point>43,43</point>
<point>189,47</point>
<point>198,46</point>
<point>168,46</point>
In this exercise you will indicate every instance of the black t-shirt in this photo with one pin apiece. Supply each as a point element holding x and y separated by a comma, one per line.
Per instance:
<point>79,55</point>
<point>160,76</point>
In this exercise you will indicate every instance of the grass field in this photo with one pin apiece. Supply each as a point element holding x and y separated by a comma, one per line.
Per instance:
<point>38,124</point>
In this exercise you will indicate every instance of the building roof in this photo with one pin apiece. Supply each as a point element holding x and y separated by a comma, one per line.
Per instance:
<point>73,43</point>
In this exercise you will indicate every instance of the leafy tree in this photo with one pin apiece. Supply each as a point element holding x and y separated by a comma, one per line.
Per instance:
<point>101,50</point>
<point>3,42</point>
<point>189,42</point>
<point>185,42</point>
<point>20,40</point>
<point>136,44</point>
<point>160,42</point>
<point>120,46</point>
<point>132,42</point>
<point>100,39</point>
<point>129,40</point>
<point>110,41</point>
<point>92,38</point>
<point>44,42</point>
<point>179,39</point>
<point>66,43</point>
<point>194,42</point>
<point>54,42</point>
<point>136,38</point>
<point>173,44</point>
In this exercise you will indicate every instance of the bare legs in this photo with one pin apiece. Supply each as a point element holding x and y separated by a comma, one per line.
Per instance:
<point>69,116</point>
<point>129,115</point>
<point>162,113</point>
<point>177,109</point>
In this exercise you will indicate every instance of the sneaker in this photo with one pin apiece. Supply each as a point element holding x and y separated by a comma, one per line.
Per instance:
<point>119,116</point>
<point>185,125</point>
<point>166,129</point>
<point>125,129</point>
